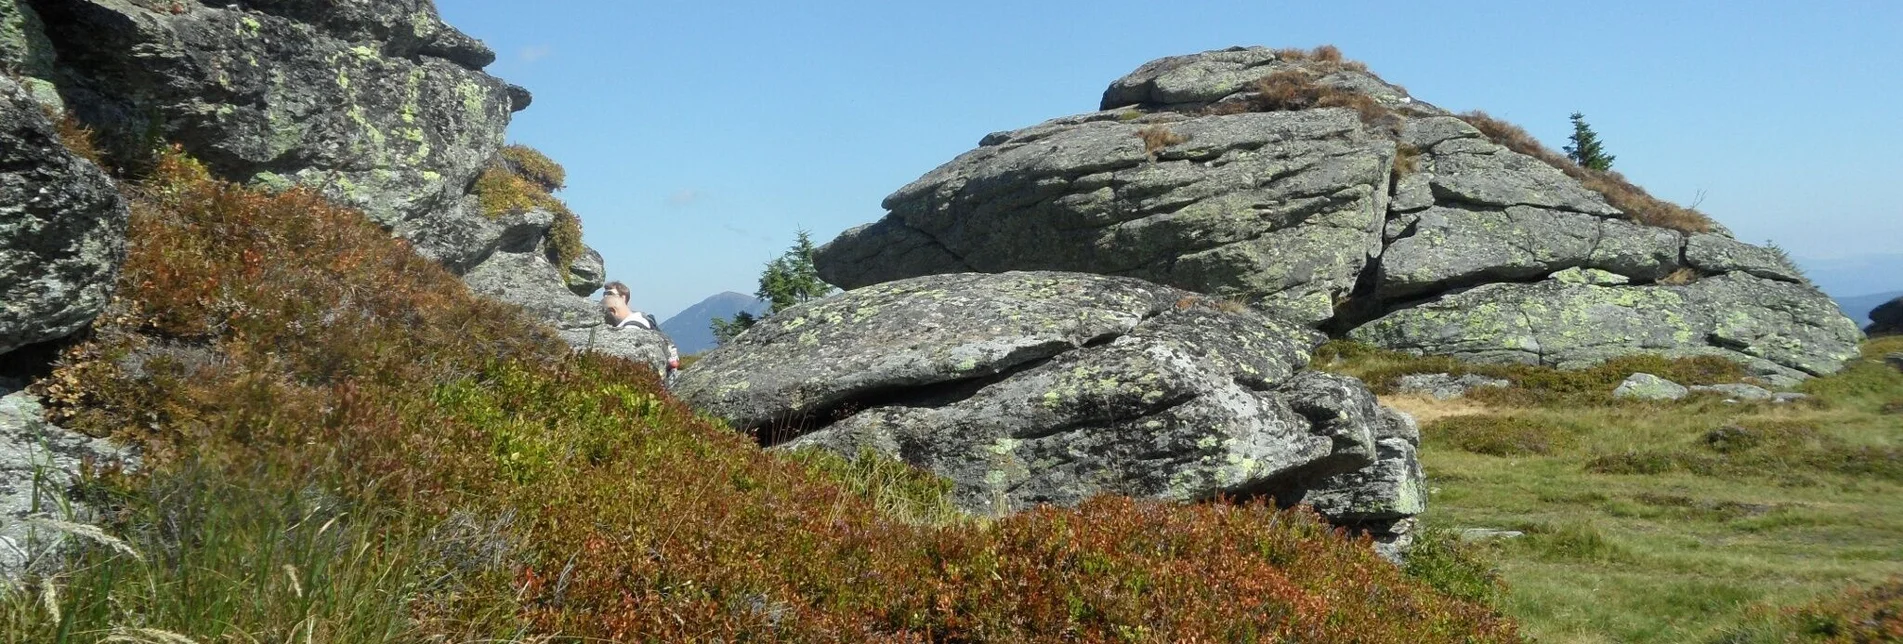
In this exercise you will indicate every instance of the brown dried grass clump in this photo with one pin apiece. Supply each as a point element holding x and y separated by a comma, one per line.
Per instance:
<point>1328,58</point>
<point>1407,160</point>
<point>1157,137</point>
<point>1634,201</point>
<point>1293,90</point>
<point>1684,275</point>
<point>78,138</point>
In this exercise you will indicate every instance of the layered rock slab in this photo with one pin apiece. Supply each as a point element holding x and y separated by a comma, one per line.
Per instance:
<point>1331,217</point>
<point>378,104</point>
<point>1581,317</point>
<point>1040,387</point>
<point>62,228</point>
<point>1282,209</point>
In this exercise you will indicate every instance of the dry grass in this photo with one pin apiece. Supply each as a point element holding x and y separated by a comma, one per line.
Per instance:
<point>78,138</point>
<point>1407,160</point>
<point>1157,137</point>
<point>1427,409</point>
<point>1637,204</point>
<point>1682,276</point>
<point>1326,58</point>
<point>1292,90</point>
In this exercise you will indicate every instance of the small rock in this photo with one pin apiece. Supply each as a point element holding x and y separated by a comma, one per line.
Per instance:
<point>1787,397</point>
<point>1736,391</point>
<point>1489,534</point>
<point>1444,386</point>
<point>1645,386</point>
<point>1895,360</point>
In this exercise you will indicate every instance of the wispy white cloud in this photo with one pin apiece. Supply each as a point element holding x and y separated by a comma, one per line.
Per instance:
<point>535,53</point>
<point>685,197</point>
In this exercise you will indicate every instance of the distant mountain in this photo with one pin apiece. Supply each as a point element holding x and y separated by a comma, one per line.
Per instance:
<point>1855,275</point>
<point>1858,307</point>
<point>692,329</point>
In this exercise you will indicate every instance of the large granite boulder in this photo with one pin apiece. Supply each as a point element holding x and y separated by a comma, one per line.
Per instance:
<point>646,346</point>
<point>378,104</point>
<point>1887,319</point>
<point>1281,209</point>
<point>1580,317</point>
<point>1040,387</point>
<point>1363,206</point>
<point>521,270</point>
<point>62,228</point>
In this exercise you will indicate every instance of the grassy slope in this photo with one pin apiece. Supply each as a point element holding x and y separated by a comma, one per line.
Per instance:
<point>1642,524</point>
<point>344,445</point>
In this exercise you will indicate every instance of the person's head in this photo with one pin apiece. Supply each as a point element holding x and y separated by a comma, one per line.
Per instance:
<point>616,289</point>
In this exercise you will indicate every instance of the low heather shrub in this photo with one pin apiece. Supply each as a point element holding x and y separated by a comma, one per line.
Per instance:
<point>334,365</point>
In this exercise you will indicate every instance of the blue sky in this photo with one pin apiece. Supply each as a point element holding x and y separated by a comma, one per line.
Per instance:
<point>699,135</point>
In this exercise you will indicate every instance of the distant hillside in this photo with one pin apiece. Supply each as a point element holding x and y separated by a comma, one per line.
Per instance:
<point>1858,307</point>
<point>690,329</point>
<point>1855,275</point>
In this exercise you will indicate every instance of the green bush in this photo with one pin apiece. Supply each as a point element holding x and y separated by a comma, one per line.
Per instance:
<point>1497,435</point>
<point>1454,567</point>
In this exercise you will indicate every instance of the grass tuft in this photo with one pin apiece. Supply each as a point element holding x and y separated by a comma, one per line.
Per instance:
<point>1496,435</point>
<point>77,137</point>
<point>1292,90</point>
<point>1157,137</point>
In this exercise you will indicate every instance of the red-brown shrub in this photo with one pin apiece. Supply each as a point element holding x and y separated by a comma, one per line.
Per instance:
<point>331,349</point>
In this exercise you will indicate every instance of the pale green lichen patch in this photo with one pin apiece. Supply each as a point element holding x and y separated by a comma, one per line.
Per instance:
<point>474,99</point>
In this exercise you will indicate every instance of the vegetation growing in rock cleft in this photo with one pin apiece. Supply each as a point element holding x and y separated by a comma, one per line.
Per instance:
<point>520,179</point>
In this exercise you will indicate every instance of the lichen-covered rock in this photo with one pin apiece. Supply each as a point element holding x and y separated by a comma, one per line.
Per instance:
<point>521,270</point>
<point>379,104</point>
<point>39,464</point>
<point>1330,217</point>
<point>1645,386</point>
<point>1282,210</point>
<point>62,228</point>
<point>526,278</point>
<point>647,347</point>
<point>1736,391</point>
<point>1038,387</point>
<point>26,54</point>
<point>1780,329</point>
<point>1444,386</point>
<point>1887,319</point>
<point>587,273</point>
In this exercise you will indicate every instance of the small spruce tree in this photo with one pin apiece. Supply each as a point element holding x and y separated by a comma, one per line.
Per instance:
<point>786,282</point>
<point>1586,149</point>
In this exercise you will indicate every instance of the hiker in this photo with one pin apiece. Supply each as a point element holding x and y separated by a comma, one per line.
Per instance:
<point>614,307</point>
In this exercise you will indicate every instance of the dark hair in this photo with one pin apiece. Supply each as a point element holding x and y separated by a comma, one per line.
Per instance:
<point>616,287</point>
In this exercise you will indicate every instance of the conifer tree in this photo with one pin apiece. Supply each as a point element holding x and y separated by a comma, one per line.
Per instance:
<point>1586,149</point>
<point>787,281</point>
